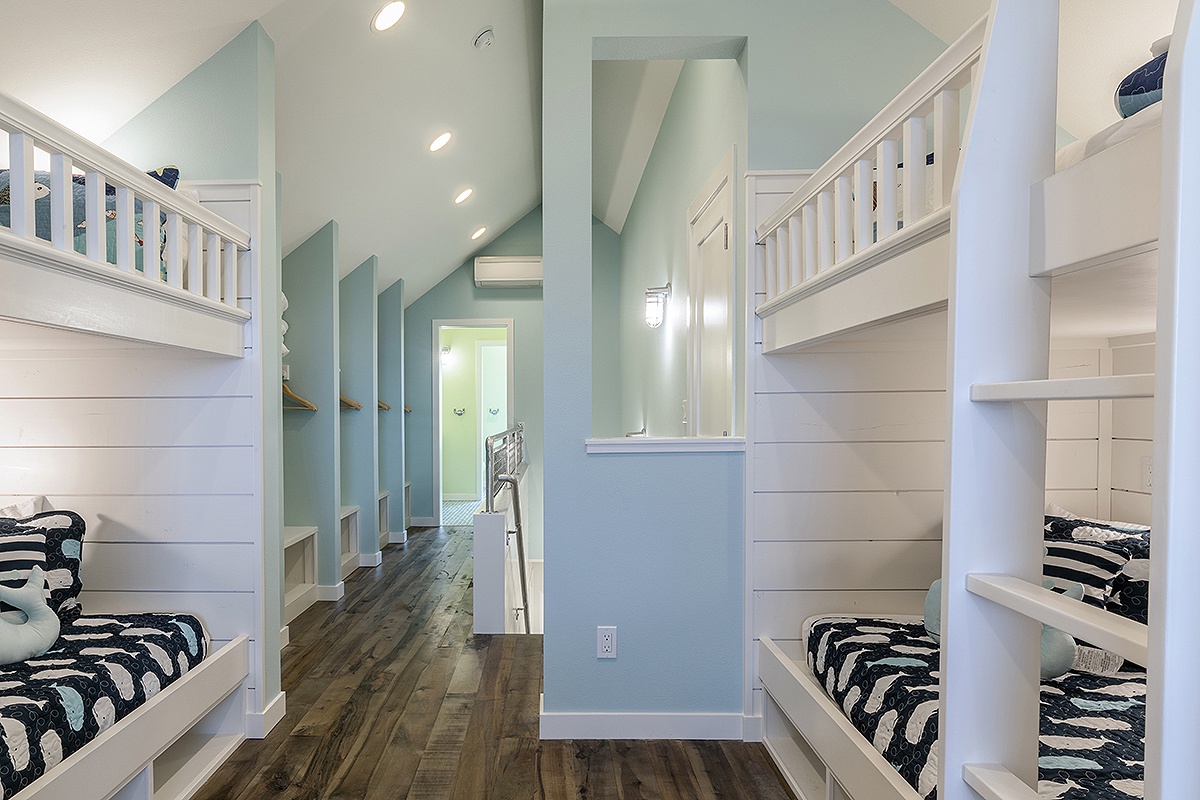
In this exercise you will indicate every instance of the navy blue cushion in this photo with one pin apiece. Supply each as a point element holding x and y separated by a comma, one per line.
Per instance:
<point>1141,88</point>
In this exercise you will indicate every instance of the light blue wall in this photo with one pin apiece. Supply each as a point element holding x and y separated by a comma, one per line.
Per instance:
<point>457,297</point>
<point>359,322</point>
<point>391,391</point>
<point>606,337</point>
<point>311,439</point>
<point>653,544</point>
<point>704,120</point>
<point>219,123</point>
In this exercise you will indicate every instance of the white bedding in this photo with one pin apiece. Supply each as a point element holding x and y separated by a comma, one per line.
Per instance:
<point>1118,132</point>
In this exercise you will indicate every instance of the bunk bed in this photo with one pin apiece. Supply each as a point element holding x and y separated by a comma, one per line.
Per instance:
<point>147,271</point>
<point>985,230</point>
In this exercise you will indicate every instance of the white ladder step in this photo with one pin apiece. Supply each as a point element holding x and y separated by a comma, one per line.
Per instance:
<point>1108,387</point>
<point>994,782</point>
<point>1122,636</point>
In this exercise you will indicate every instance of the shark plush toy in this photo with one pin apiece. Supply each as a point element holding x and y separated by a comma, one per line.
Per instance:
<point>38,633</point>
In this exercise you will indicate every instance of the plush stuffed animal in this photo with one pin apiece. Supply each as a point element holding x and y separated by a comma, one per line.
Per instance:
<point>38,633</point>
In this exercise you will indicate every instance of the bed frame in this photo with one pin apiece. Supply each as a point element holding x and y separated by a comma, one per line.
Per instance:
<point>985,252</point>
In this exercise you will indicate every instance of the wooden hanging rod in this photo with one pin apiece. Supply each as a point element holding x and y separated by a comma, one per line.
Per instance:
<point>348,404</point>
<point>301,403</point>
<point>384,406</point>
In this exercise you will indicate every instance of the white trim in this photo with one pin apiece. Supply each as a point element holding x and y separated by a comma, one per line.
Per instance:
<point>422,522</point>
<point>258,725</point>
<point>398,537</point>
<point>370,559</point>
<point>331,593</point>
<point>688,444</point>
<point>460,498</point>
<point>605,725</point>
<point>285,637</point>
<point>753,728</point>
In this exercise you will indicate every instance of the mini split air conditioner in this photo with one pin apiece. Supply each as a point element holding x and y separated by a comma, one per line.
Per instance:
<point>507,272</point>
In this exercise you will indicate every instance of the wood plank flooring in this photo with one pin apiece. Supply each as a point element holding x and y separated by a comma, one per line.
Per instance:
<point>389,695</point>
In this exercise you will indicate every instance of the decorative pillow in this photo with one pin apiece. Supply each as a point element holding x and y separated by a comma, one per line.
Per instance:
<point>25,508</point>
<point>38,632</point>
<point>52,540</point>
<point>1141,88</point>
<point>1094,565</point>
<point>1131,593</point>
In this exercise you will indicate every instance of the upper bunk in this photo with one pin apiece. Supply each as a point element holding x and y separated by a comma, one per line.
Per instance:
<point>865,241</point>
<point>74,251</point>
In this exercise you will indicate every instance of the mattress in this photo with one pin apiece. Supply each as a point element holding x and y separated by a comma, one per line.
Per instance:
<point>100,669</point>
<point>1075,152</point>
<point>883,674</point>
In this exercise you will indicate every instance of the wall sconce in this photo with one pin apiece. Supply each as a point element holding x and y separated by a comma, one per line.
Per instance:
<point>446,355</point>
<point>656,305</point>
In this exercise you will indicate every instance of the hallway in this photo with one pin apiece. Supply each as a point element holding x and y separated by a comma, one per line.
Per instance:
<point>390,696</point>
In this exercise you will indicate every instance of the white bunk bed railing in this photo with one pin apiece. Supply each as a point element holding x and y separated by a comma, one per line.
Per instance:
<point>200,253</point>
<point>875,193</point>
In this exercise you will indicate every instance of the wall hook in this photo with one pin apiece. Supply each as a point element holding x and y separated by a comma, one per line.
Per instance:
<point>460,411</point>
<point>493,411</point>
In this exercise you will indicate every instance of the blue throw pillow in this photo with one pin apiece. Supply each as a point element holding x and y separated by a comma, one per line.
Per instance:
<point>1141,88</point>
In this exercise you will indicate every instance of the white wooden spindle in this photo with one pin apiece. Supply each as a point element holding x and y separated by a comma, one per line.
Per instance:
<point>212,267</point>
<point>229,275</point>
<point>914,168</point>
<point>796,241</point>
<point>810,240</point>
<point>20,185</point>
<point>97,217</point>
<point>824,231</point>
<point>947,138</point>
<point>885,189</point>
<point>195,262</point>
<point>62,206</point>
<point>783,254</point>
<point>863,202</point>
<point>843,204</point>
<point>772,275</point>
<point>151,241</point>
<point>126,252</point>
<point>174,250</point>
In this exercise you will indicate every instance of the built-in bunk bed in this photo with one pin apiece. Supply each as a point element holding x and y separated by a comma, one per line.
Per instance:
<point>952,703</point>
<point>132,385</point>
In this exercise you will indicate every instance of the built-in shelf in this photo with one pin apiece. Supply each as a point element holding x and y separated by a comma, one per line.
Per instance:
<point>294,534</point>
<point>349,539</point>
<point>1122,636</point>
<point>186,765</point>
<point>299,570</point>
<point>994,782</point>
<point>1107,387</point>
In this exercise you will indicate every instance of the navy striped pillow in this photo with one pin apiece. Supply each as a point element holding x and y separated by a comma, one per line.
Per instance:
<point>20,552</point>
<point>1094,566</point>
<point>61,535</point>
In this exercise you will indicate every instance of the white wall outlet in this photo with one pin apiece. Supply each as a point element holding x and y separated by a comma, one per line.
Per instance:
<point>1147,473</point>
<point>606,641</point>
<point>287,372</point>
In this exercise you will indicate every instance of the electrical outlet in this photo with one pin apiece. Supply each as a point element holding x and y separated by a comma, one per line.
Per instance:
<point>606,641</point>
<point>1147,473</point>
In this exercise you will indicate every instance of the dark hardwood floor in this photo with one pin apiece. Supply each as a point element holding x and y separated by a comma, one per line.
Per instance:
<point>389,695</point>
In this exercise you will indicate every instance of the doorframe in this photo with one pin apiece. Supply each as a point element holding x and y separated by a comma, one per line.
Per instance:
<point>722,178</point>
<point>436,444</point>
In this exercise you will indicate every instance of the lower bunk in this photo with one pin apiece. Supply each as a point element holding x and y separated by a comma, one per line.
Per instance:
<point>857,716</point>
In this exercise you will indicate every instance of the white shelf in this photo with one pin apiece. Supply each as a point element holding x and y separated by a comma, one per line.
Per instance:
<point>188,763</point>
<point>347,511</point>
<point>384,494</point>
<point>294,534</point>
<point>1122,636</point>
<point>1109,387</point>
<point>994,782</point>
<point>685,444</point>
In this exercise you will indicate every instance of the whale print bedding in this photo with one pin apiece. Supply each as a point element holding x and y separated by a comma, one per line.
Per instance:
<point>100,669</point>
<point>884,675</point>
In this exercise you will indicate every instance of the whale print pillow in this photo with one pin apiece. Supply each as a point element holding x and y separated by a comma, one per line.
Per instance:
<point>52,540</point>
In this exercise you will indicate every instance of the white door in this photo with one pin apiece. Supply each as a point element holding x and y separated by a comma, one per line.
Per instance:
<point>712,318</point>
<point>493,395</point>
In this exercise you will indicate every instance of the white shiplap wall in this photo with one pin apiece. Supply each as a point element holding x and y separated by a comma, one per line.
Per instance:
<point>1132,434</point>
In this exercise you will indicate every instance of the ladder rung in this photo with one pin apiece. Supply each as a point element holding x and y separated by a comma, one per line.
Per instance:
<point>1108,387</point>
<point>1122,636</point>
<point>994,782</point>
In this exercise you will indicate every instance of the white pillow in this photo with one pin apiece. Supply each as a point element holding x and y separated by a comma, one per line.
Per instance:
<point>25,508</point>
<point>1058,511</point>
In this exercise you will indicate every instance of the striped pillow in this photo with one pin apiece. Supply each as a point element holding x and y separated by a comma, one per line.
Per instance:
<point>52,540</point>
<point>1093,565</point>
<point>20,552</point>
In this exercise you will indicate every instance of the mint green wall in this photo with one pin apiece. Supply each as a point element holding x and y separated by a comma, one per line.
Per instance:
<point>358,319</point>
<point>457,297</point>
<point>391,391</point>
<point>219,123</point>
<point>311,439</point>
<point>461,464</point>
<point>704,120</point>
<point>606,332</point>
<point>653,543</point>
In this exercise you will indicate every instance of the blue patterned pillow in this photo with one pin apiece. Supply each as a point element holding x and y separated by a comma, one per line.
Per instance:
<point>1141,88</point>
<point>52,540</point>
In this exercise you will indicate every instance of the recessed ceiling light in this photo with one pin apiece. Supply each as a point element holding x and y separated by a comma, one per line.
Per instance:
<point>387,16</point>
<point>478,233</point>
<point>439,142</point>
<point>463,196</point>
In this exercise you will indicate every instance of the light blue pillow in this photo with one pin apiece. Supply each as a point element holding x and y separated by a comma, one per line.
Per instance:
<point>38,633</point>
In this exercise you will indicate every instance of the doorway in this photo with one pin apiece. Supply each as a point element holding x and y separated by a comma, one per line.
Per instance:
<point>473,399</point>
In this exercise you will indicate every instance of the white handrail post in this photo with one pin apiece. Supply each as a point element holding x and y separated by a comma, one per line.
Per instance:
<point>810,240</point>
<point>20,185</point>
<point>795,240</point>
<point>151,241</point>
<point>863,194</point>
<point>126,255</point>
<point>783,252</point>
<point>62,205</point>
<point>772,274</point>
<point>195,262</point>
<point>914,168</point>
<point>946,141</point>
<point>212,267</point>
<point>97,216</point>
<point>229,266</point>
<point>885,189</point>
<point>175,250</point>
<point>824,231</point>
<point>843,217</point>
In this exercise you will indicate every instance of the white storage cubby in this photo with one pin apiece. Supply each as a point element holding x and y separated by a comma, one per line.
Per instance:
<point>299,570</point>
<point>349,539</point>
<point>384,503</point>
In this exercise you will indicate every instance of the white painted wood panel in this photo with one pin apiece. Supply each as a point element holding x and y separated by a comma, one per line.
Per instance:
<point>861,416</point>
<point>780,614</point>
<point>841,371</point>
<point>1131,507</point>
<point>133,373</point>
<point>1127,463</point>
<point>1082,502</point>
<point>108,422</point>
<point>1071,464</point>
<point>861,466</point>
<point>175,518</point>
<point>847,565</point>
<point>1133,419</point>
<point>831,516</point>
<point>1073,419</point>
<point>1133,360</point>
<point>1074,362</point>
<point>225,614</point>
<point>168,567</point>
<point>150,470</point>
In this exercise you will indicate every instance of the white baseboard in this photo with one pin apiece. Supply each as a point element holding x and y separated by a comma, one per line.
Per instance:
<point>258,725</point>
<point>753,729</point>
<point>334,592</point>
<point>285,637</point>
<point>600,725</point>
<point>459,498</point>
<point>398,537</point>
<point>370,559</point>
<point>421,522</point>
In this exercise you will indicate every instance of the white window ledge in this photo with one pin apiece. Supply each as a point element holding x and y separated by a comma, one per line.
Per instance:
<point>646,444</point>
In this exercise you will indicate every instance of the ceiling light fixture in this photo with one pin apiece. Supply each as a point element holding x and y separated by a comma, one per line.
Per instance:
<point>463,196</point>
<point>478,233</point>
<point>387,16</point>
<point>439,142</point>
